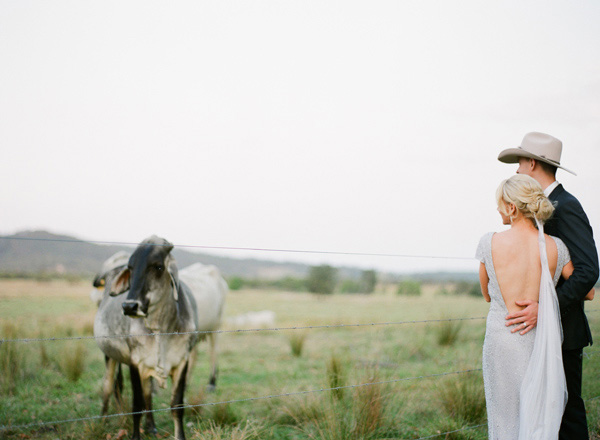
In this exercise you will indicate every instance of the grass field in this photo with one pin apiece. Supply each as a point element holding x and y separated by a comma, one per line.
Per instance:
<point>60,380</point>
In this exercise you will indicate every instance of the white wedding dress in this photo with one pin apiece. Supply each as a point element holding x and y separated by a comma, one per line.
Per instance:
<point>525,388</point>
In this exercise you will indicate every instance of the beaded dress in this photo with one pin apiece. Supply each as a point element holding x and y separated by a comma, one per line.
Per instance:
<point>506,355</point>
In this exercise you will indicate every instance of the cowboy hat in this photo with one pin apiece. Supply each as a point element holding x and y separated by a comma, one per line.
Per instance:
<point>538,146</point>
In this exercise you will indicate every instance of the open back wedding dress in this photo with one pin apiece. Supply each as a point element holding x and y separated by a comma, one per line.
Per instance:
<point>525,388</point>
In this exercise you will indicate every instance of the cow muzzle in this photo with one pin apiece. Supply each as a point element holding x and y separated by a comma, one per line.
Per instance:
<point>132,308</point>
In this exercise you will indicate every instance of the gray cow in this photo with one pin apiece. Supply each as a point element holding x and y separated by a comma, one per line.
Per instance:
<point>162,304</point>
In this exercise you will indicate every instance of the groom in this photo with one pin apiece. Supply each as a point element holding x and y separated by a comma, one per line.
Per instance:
<point>539,157</point>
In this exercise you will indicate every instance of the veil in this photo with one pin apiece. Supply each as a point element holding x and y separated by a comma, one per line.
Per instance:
<point>544,388</point>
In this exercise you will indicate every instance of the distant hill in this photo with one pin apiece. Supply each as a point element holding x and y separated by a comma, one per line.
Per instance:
<point>35,252</point>
<point>32,252</point>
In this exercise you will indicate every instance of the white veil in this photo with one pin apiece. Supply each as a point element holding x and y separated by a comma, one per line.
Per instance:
<point>544,388</point>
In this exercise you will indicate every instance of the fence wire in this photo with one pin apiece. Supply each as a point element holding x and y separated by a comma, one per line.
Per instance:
<point>249,399</point>
<point>271,329</point>
<point>252,249</point>
<point>205,332</point>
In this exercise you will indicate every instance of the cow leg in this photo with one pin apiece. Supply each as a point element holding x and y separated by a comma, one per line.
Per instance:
<point>138,400</point>
<point>118,388</point>
<point>178,379</point>
<point>149,426</point>
<point>191,363</point>
<point>107,383</point>
<point>212,383</point>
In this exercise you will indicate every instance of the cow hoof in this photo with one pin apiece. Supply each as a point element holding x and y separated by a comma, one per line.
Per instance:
<point>151,430</point>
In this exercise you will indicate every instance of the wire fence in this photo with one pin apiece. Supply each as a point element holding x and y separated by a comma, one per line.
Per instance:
<point>274,329</point>
<point>251,249</point>
<point>252,330</point>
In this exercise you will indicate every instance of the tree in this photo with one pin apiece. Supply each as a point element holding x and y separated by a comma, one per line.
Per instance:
<point>321,279</point>
<point>368,280</point>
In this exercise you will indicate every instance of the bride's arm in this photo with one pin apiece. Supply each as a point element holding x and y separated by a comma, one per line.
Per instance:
<point>483,281</point>
<point>568,271</point>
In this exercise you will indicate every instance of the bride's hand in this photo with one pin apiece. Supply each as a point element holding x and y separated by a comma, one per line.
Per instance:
<point>526,319</point>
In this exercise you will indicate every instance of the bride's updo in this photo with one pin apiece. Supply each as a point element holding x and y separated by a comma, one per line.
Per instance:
<point>527,195</point>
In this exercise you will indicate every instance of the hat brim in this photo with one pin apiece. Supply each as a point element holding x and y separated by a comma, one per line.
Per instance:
<point>512,155</point>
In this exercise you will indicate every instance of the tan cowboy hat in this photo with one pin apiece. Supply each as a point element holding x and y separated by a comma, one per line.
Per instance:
<point>538,146</point>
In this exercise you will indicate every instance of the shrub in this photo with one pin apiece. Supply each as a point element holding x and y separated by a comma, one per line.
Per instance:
<point>321,279</point>
<point>467,288</point>
<point>235,283</point>
<point>409,287</point>
<point>350,286</point>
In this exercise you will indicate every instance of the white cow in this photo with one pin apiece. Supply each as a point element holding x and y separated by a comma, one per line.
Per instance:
<point>210,290</point>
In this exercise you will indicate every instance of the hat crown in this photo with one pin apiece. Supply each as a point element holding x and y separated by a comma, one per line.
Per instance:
<point>542,145</point>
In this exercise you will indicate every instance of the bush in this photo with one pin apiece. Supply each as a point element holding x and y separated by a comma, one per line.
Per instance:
<point>409,287</point>
<point>321,279</point>
<point>350,286</point>
<point>235,283</point>
<point>467,288</point>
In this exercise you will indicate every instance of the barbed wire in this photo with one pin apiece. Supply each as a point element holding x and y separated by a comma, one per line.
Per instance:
<point>249,399</point>
<point>205,332</point>
<point>234,248</point>
<point>271,329</point>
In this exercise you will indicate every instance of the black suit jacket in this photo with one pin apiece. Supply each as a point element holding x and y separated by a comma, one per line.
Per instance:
<point>571,225</point>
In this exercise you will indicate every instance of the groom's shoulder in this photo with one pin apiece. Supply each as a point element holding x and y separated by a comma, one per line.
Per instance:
<point>564,199</point>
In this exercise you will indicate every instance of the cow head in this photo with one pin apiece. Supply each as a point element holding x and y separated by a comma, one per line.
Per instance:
<point>147,277</point>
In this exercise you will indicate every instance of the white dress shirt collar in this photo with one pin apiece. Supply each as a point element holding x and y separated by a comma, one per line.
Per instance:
<point>551,188</point>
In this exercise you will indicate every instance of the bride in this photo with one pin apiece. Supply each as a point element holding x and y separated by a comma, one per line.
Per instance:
<point>523,375</point>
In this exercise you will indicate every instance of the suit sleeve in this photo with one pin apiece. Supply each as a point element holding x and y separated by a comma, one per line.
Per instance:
<point>575,230</point>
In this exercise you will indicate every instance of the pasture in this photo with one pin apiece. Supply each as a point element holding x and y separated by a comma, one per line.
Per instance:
<point>60,380</point>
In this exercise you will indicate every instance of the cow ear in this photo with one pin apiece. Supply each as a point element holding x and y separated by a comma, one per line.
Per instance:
<point>174,283</point>
<point>121,283</point>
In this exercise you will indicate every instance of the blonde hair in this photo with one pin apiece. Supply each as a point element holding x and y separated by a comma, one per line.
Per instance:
<point>527,195</point>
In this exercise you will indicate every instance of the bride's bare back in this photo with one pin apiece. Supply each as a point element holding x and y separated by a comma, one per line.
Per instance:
<point>516,258</point>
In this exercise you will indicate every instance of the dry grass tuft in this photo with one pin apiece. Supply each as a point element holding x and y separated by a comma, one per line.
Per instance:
<point>369,407</point>
<point>447,332</point>
<point>72,362</point>
<point>297,341</point>
<point>209,430</point>
<point>336,377</point>
<point>463,398</point>
<point>224,415</point>
<point>12,361</point>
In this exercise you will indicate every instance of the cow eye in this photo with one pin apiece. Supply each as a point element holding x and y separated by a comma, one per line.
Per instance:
<point>160,268</point>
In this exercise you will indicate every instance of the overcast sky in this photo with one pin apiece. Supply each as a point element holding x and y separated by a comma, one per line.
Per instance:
<point>351,126</point>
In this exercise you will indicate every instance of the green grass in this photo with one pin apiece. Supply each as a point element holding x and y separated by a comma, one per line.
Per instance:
<point>253,364</point>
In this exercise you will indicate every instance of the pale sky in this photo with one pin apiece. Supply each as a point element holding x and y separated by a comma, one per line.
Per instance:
<point>352,126</point>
